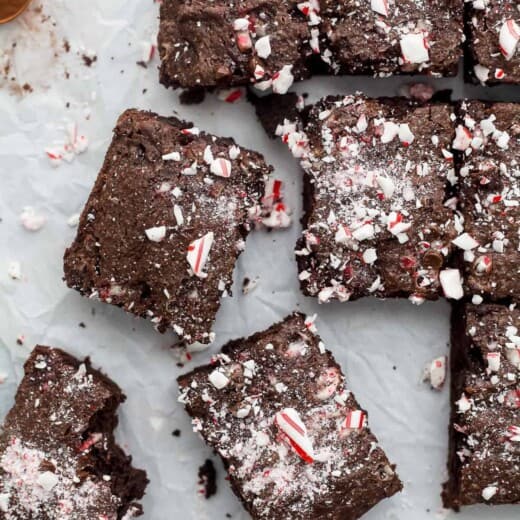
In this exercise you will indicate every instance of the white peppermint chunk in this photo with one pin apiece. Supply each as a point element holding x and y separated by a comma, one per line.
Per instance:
<point>451,283</point>
<point>466,242</point>
<point>489,492</point>
<point>156,234</point>
<point>263,47</point>
<point>414,48</point>
<point>218,379</point>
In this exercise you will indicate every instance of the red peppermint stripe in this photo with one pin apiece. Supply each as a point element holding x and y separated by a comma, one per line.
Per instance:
<point>198,252</point>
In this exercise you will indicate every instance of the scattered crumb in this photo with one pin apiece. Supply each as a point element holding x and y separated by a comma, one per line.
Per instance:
<point>82,325</point>
<point>15,270</point>
<point>31,220</point>
<point>176,433</point>
<point>208,478</point>
<point>20,339</point>
<point>192,97</point>
<point>89,59</point>
<point>249,285</point>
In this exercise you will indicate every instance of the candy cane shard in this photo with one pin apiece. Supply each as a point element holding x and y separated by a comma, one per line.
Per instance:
<point>290,423</point>
<point>508,38</point>
<point>355,420</point>
<point>198,252</point>
<point>414,48</point>
<point>221,167</point>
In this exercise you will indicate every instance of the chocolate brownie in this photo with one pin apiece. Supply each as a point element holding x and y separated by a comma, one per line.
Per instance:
<point>165,222</point>
<point>484,460</point>
<point>293,438</point>
<point>384,37</point>
<point>58,456</point>
<point>378,219</point>
<point>270,44</point>
<point>224,43</point>
<point>488,147</point>
<point>493,32</point>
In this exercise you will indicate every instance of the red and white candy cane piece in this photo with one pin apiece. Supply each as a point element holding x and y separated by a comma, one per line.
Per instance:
<point>290,423</point>
<point>244,42</point>
<point>508,38</point>
<point>414,48</point>
<point>513,432</point>
<point>355,420</point>
<point>437,372</point>
<point>513,356</point>
<point>221,167</point>
<point>462,139</point>
<point>198,252</point>
<point>493,361</point>
<point>328,383</point>
<point>379,6</point>
<point>273,193</point>
<point>282,80</point>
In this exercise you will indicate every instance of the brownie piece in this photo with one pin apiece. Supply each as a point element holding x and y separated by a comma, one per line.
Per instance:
<point>58,456</point>
<point>293,438</point>
<point>488,145</point>
<point>224,43</point>
<point>484,459</point>
<point>270,44</point>
<point>493,31</point>
<point>378,174</point>
<point>165,223</point>
<point>385,37</point>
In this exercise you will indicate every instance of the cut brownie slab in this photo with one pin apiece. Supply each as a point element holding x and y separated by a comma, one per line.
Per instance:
<point>292,436</point>
<point>377,218</point>
<point>493,32</point>
<point>488,143</point>
<point>272,43</point>
<point>165,222</point>
<point>224,43</point>
<point>58,456</point>
<point>484,463</point>
<point>384,37</point>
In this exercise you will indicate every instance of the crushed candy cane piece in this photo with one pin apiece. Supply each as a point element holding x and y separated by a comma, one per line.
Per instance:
<point>451,283</point>
<point>289,422</point>
<point>263,47</point>
<point>156,234</point>
<point>379,6</point>
<point>462,139</point>
<point>283,80</point>
<point>414,48</point>
<point>221,167</point>
<point>493,361</point>
<point>435,372</point>
<point>355,420</point>
<point>31,220</point>
<point>465,242</point>
<point>508,38</point>
<point>198,252</point>
<point>489,492</point>
<point>14,270</point>
<point>218,379</point>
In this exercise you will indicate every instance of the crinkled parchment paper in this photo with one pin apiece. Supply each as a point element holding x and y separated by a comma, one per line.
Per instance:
<point>47,87</point>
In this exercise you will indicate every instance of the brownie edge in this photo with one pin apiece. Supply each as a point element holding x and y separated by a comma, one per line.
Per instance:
<point>293,438</point>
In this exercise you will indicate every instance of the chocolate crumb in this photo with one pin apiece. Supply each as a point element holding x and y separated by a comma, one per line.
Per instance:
<point>176,433</point>
<point>208,478</point>
<point>82,325</point>
<point>192,96</point>
<point>88,60</point>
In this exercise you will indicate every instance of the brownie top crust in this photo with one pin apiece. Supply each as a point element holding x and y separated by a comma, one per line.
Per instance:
<point>165,222</point>
<point>377,219</point>
<point>207,44</point>
<point>488,143</point>
<point>493,32</point>
<point>384,37</point>
<point>58,458</point>
<point>270,44</point>
<point>292,436</point>
<point>486,414</point>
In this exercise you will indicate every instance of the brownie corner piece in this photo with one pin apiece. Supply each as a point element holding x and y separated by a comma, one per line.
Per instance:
<point>488,146</point>
<point>484,454</point>
<point>223,44</point>
<point>165,222</point>
<point>58,456</point>
<point>293,438</point>
<point>378,177</point>
<point>493,33</point>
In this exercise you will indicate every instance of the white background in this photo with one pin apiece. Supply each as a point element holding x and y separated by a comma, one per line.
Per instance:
<point>383,346</point>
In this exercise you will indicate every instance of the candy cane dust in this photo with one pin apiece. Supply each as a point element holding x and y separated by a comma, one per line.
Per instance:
<point>10,8</point>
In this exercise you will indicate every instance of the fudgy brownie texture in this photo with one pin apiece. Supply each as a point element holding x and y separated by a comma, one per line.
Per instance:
<point>293,438</point>
<point>165,222</point>
<point>488,150</point>
<point>269,44</point>
<point>493,31</point>
<point>58,456</point>
<point>484,461</point>
<point>377,178</point>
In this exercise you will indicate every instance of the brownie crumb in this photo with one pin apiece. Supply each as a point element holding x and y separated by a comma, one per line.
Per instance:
<point>192,96</point>
<point>82,325</point>
<point>89,60</point>
<point>176,433</point>
<point>208,478</point>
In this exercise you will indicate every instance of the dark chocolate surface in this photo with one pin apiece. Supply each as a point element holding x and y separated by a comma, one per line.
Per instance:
<point>58,456</point>
<point>216,44</point>
<point>378,174</point>
<point>489,150</point>
<point>235,404</point>
<point>160,190</point>
<point>484,465</point>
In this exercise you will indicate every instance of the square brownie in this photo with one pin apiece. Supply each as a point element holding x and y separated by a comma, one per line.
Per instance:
<point>488,149</point>
<point>223,43</point>
<point>493,32</point>
<point>58,456</point>
<point>379,221</point>
<point>165,222</point>
<point>383,37</point>
<point>484,459</point>
<point>293,438</point>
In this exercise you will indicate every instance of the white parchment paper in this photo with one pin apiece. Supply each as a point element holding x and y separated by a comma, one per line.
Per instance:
<point>383,346</point>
